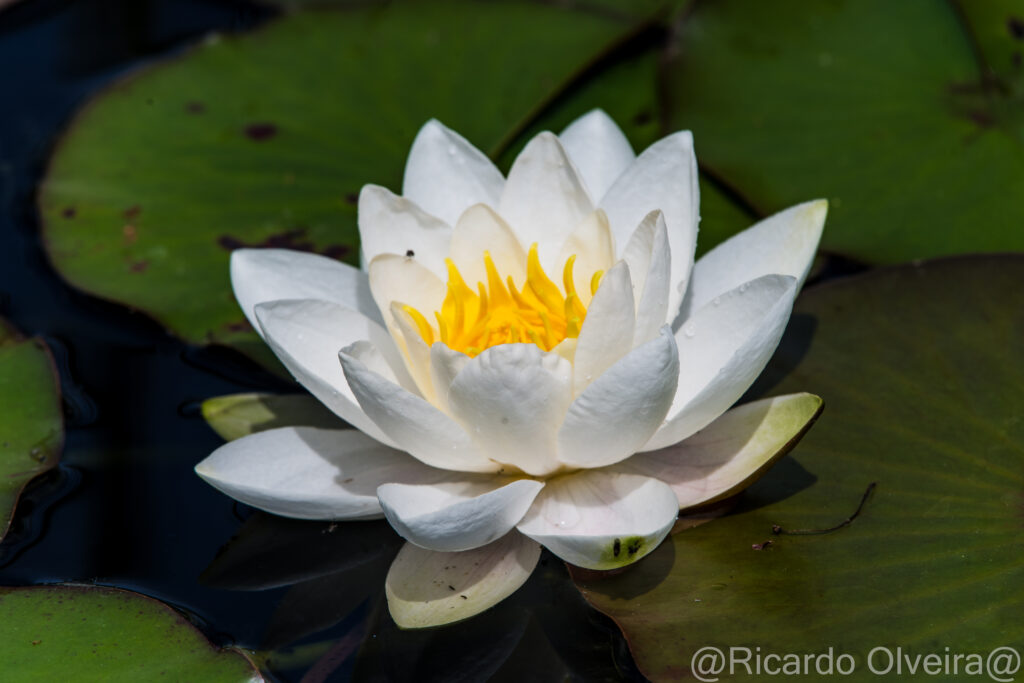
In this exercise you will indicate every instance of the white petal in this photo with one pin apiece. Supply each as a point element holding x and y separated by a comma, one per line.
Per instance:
<point>621,409</point>
<point>310,473</point>
<point>601,520</point>
<point>445,174</point>
<point>402,278</point>
<point>722,350</point>
<point>414,350</point>
<point>259,275</point>
<point>457,515</point>
<point>480,229</point>
<point>389,224</point>
<point>543,199</point>
<point>511,399</point>
<point>415,425</point>
<point>730,453</point>
<point>306,336</point>
<point>663,177</point>
<point>784,243</point>
<point>650,265</point>
<point>607,332</point>
<point>599,149</point>
<point>592,244</point>
<point>445,364</point>
<point>429,588</point>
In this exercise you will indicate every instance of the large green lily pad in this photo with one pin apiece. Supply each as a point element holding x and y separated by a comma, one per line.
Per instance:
<point>921,372</point>
<point>31,421</point>
<point>881,107</point>
<point>266,140</point>
<point>92,633</point>
<point>237,415</point>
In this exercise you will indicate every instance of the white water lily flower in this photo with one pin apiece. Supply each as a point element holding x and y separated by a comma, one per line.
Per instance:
<point>509,359</point>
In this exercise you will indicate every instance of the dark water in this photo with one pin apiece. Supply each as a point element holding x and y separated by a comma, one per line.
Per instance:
<point>125,508</point>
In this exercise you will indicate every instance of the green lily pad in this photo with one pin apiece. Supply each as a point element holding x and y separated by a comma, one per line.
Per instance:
<point>31,421</point>
<point>238,415</point>
<point>92,633</point>
<point>266,139</point>
<point>921,370</point>
<point>880,107</point>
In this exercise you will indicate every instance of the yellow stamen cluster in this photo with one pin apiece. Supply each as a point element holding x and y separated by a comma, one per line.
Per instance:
<point>498,312</point>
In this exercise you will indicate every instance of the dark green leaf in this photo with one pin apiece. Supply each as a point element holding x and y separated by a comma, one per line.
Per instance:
<point>921,372</point>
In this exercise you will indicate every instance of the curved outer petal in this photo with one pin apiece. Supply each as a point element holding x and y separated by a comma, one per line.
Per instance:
<point>784,243</point>
<point>389,224</point>
<point>415,425</point>
<point>259,275</point>
<point>599,149</point>
<point>445,365</point>
<point>310,473</point>
<point>732,452</point>
<point>415,351</point>
<point>663,177</point>
<point>406,280</point>
<point>650,265</point>
<point>544,199</point>
<point>592,244</point>
<point>459,515</point>
<point>480,229</point>
<point>622,408</point>
<point>445,174</point>
<point>601,520</point>
<point>511,399</point>
<point>607,332</point>
<point>306,335</point>
<point>429,588</point>
<point>722,350</point>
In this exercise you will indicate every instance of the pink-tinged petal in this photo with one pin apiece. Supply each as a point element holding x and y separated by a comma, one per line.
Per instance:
<point>544,199</point>
<point>722,350</point>
<point>306,336</point>
<point>445,174</point>
<point>732,452</point>
<point>310,473</point>
<point>599,519</point>
<point>607,332</point>
<point>430,588</point>
<point>389,224</point>
<point>663,177</point>
<point>414,424</point>
<point>599,150</point>
<point>457,515</point>
<point>784,244</point>
<point>260,275</point>
<point>622,408</point>
<point>511,400</point>
<point>650,265</point>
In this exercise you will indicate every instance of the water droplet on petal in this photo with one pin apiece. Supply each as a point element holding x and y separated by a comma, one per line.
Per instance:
<point>744,287</point>
<point>689,332</point>
<point>452,150</point>
<point>716,301</point>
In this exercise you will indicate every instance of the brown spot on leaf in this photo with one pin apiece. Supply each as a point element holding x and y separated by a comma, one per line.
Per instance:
<point>130,233</point>
<point>139,266</point>
<point>195,107</point>
<point>1016,28</point>
<point>762,546</point>
<point>294,239</point>
<point>132,211</point>
<point>239,326</point>
<point>260,132</point>
<point>69,212</point>
<point>352,198</point>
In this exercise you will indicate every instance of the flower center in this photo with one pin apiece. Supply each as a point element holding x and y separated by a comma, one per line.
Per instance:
<point>498,312</point>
